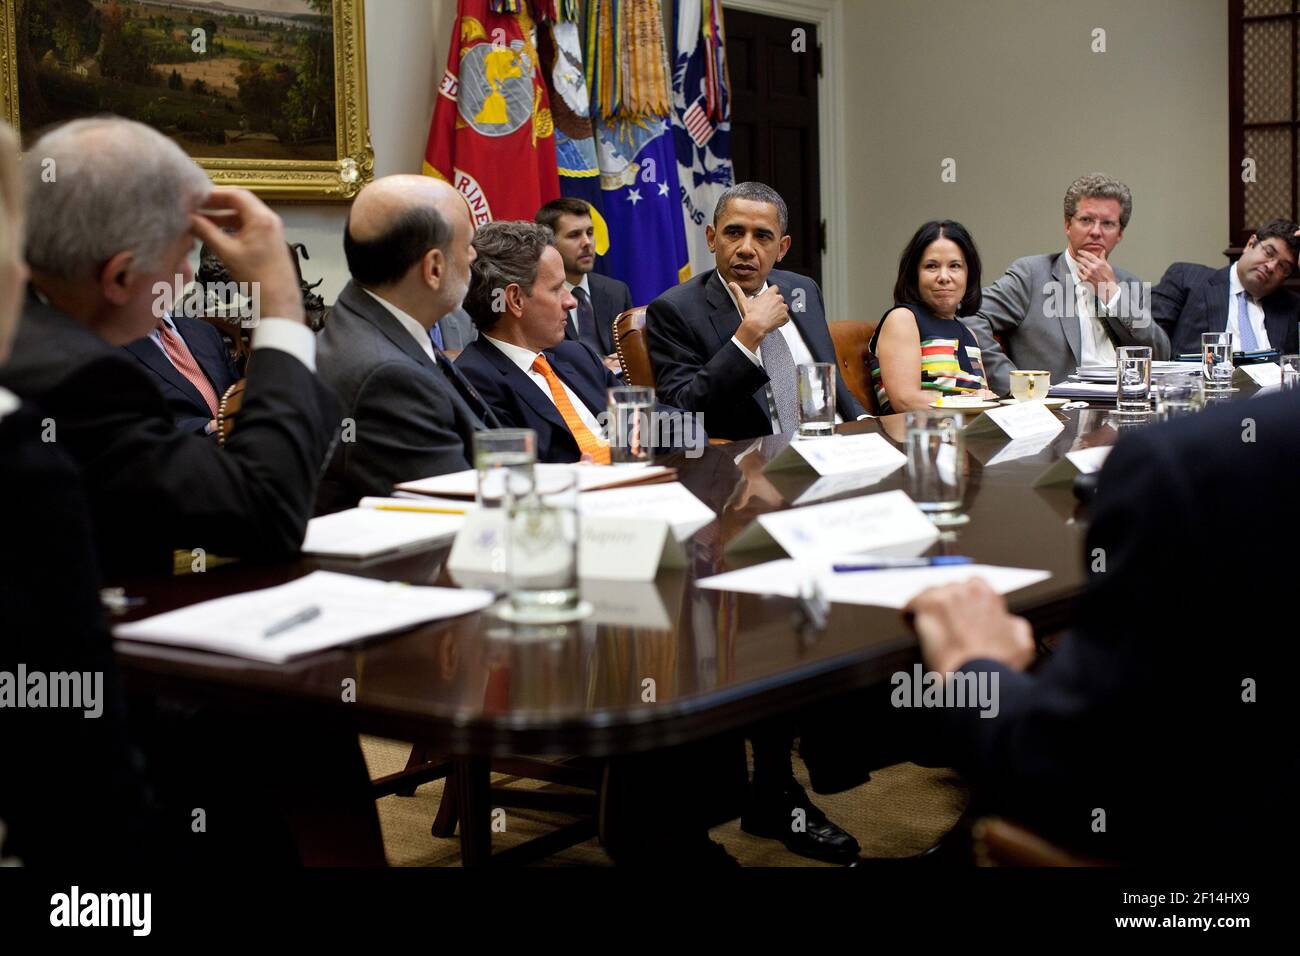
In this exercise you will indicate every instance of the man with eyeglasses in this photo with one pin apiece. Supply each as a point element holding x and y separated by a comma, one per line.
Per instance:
<point>1245,299</point>
<point>1060,310</point>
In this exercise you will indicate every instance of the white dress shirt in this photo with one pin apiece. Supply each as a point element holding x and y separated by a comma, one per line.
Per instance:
<point>573,313</point>
<point>418,331</point>
<point>1095,346</point>
<point>1254,312</point>
<point>524,358</point>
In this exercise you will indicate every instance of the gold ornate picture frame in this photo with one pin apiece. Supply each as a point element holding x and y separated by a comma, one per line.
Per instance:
<point>265,94</point>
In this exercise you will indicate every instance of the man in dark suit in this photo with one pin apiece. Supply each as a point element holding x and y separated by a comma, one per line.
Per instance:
<point>712,338</point>
<point>598,299</point>
<point>1140,737</point>
<point>1245,299</point>
<point>189,362</point>
<point>152,487</point>
<point>408,413</point>
<point>565,401</point>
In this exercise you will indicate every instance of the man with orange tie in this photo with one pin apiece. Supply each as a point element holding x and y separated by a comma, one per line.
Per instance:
<point>188,360</point>
<point>522,364</point>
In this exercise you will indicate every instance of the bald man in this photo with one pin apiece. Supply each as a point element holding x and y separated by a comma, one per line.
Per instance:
<point>408,413</point>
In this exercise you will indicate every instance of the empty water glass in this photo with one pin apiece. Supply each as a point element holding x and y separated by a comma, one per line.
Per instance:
<point>1178,394</point>
<point>816,399</point>
<point>936,472</point>
<point>1216,360</point>
<point>1133,378</point>
<point>631,424</point>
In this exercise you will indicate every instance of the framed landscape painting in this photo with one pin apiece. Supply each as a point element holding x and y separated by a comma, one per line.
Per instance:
<point>265,94</point>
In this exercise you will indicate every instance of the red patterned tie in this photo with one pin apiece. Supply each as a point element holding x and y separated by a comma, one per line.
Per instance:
<point>183,359</point>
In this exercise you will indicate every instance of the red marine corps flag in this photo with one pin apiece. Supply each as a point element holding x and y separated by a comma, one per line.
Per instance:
<point>492,135</point>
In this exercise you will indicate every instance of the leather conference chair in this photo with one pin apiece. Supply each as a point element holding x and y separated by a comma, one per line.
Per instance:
<point>999,842</point>
<point>630,344</point>
<point>228,410</point>
<point>852,350</point>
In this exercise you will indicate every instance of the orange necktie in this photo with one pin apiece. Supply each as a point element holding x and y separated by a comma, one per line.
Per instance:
<point>588,443</point>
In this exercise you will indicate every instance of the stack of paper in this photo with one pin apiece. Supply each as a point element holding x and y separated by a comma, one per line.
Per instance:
<point>320,610</point>
<point>367,532</point>
<point>464,484</point>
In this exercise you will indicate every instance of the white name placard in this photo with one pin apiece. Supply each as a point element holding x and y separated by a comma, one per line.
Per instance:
<point>888,522</point>
<point>839,454</point>
<point>1021,420</point>
<point>1262,374</point>
<point>1082,461</point>
<point>671,501</point>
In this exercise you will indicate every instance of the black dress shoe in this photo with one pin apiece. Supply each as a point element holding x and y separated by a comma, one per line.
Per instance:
<point>772,815</point>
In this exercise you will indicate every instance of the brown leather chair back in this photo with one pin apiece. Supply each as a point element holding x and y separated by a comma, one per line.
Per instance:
<point>999,842</point>
<point>630,344</point>
<point>231,402</point>
<point>852,340</point>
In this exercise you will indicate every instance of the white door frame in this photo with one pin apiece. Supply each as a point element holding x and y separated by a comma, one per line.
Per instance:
<point>828,15</point>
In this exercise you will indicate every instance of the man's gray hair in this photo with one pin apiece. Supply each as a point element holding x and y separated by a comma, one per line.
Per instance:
<point>508,252</point>
<point>754,192</point>
<point>98,187</point>
<point>1099,186</point>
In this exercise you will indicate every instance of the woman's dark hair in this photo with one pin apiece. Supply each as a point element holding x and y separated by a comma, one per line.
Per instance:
<point>907,289</point>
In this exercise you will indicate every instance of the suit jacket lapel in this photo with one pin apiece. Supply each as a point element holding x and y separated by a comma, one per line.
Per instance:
<point>1278,320</point>
<point>723,314</point>
<point>522,385</point>
<point>1216,304</point>
<point>1070,313</point>
<point>154,357</point>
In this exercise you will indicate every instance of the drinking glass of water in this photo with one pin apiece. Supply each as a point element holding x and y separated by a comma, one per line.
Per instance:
<point>936,466</point>
<point>1290,371</point>
<point>542,550</point>
<point>1133,378</point>
<point>631,419</point>
<point>500,453</point>
<point>1178,394</point>
<point>1216,360</point>
<point>816,399</point>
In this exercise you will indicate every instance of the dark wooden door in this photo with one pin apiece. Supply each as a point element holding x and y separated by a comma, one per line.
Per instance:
<point>774,122</point>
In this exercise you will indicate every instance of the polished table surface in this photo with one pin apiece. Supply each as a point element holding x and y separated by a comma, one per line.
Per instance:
<point>718,661</point>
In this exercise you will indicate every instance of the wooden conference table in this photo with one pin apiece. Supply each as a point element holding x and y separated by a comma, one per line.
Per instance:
<point>475,688</point>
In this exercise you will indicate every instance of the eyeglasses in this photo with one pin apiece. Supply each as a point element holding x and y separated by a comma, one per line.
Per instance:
<point>1087,222</point>
<point>1285,266</point>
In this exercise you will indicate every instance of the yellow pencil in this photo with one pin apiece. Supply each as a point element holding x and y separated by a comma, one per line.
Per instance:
<point>428,511</point>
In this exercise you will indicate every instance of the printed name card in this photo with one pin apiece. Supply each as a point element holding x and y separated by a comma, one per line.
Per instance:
<point>1019,420</point>
<point>888,523</point>
<point>839,455</point>
<point>612,548</point>
<point>672,502</point>
<point>1263,374</point>
<point>1082,461</point>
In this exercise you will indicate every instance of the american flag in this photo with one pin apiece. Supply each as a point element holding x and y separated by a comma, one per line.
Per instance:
<point>697,123</point>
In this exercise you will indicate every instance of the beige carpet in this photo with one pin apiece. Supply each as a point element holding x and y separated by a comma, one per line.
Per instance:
<point>902,810</point>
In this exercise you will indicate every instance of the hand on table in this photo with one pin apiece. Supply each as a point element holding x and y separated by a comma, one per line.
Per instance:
<point>958,623</point>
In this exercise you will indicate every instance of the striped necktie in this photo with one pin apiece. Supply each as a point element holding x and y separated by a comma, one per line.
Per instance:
<point>183,359</point>
<point>588,443</point>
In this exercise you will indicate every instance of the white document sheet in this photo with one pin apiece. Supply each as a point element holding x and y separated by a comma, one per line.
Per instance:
<point>892,588</point>
<point>464,484</point>
<point>351,608</point>
<point>366,532</point>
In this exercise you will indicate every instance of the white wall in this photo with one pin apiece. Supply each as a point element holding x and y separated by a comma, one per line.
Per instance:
<point>406,51</point>
<point>1012,91</point>
<point>1008,88</point>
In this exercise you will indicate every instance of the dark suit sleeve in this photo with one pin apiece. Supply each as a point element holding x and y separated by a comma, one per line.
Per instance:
<point>402,430</point>
<point>154,488</point>
<point>195,424</point>
<point>1053,753</point>
<point>690,379</point>
<point>1168,298</point>
<point>1003,306</point>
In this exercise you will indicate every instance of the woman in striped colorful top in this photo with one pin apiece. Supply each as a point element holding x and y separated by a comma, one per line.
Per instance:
<point>921,351</point>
